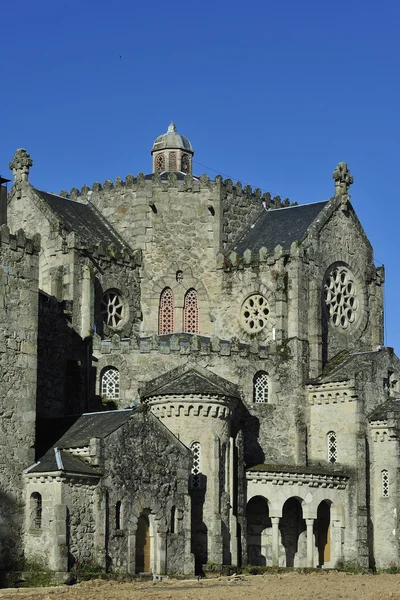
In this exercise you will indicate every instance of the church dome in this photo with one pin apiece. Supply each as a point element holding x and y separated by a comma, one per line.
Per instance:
<point>172,139</point>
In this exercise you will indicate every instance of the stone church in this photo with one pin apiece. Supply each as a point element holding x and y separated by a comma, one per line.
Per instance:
<point>192,374</point>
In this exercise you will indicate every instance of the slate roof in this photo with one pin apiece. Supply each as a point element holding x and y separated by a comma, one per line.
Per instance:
<point>190,380</point>
<point>83,219</point>
<point>94,425</point>
<point>346,364</point>
<point>279,226</point>
<point>60,460</point>
<point>382,412</point>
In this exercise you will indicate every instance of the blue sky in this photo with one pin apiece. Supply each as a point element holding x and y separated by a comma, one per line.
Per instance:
<point>272,94</point>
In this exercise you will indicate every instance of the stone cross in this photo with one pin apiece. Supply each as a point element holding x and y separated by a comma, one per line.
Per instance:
<point>20,165</point>
<point>343,179</point>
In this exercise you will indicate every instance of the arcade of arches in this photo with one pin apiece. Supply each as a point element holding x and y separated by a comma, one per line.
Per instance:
<point>289,540</point>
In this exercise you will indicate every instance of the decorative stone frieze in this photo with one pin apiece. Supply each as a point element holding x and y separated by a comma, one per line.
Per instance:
<point>312,480</point>
<point>332,393</point>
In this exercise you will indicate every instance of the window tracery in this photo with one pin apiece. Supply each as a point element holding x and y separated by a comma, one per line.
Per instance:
<point>191,312</point>
<point>112,308</point>
<point>385,483</point>
<point>195,478</point>
<point>110,383</point>
<point>172,161</point>
<point>332,447</point>
<point>340,296</point>
<point>260,387</point>
<point>166,313</point>
<point>254,313</point>
<point>160,163</point>
<point>185,163</point>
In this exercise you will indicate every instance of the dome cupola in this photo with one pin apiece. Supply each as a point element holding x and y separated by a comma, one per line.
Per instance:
<point>172,152</point>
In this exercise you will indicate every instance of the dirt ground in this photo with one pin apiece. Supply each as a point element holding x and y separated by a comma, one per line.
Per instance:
<point>293,586</point>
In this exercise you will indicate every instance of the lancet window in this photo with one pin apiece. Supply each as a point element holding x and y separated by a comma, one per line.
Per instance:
<point>195,478</point>
<point>172,161</point>
<point>385,483</point>
<point>332,447</point>
<point>166,313</point>
<point>160,163</point>
<point>110,383</point>
<point>191,312</point>
<point>260,387</point>
<point>36,510</point>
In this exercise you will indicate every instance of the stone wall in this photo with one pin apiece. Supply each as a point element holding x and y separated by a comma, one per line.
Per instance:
<point>18,365</point>
<point>147,469</point>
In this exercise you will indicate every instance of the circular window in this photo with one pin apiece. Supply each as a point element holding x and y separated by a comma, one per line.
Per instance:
<point>254,313</point>
<point>112,308</point>
<point>340,296</point>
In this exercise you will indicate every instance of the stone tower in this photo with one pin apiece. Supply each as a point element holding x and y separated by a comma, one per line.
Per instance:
<point>172,152</point>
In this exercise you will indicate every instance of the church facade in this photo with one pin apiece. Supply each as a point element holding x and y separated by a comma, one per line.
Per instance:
<point>193,373</point>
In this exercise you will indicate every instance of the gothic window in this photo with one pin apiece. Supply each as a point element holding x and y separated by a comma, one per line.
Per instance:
<point>332,447</point>
<point>185,163</point>
<point>112,308</point>
<point>110,383</point>
<point>260,387</point>
<point>191,313</point>
<point>340,296</point>
<point>166,313</point>
<point>118,515</point>
<point>195,478</point>
<point>160,163</point>
<point>385,483</point>
<point>254,313</point>
<point>36,510</point>
<point>172,161</point>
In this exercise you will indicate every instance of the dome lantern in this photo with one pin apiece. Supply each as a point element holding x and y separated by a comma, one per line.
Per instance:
<point>172,152</point>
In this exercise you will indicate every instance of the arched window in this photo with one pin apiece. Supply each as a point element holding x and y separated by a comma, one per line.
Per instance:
<point>385,483</point>
<point>36,510</point>
<point>185,163</point>
<point>110,383</point>
<point>332,446</point>
<point>160,163</point>
<point>118,515</point>
<point>195,478</point>
<point>191,313</point>
<point>222,470</point>
<point>172,161</point>
<point>166,313</point>
<point>113,309</point>
<point>260,387</point>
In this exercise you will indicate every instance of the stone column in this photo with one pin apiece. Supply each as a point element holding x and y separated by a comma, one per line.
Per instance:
<point>162,553</point>
<point>275,541</point>
<point>86,307</point>
<point>310,544</point>
<point>232,517</point>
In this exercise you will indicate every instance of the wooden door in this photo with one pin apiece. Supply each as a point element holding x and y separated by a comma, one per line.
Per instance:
<point>143,545</point>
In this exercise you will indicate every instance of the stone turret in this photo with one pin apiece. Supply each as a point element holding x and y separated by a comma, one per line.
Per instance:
<point>172,152</point>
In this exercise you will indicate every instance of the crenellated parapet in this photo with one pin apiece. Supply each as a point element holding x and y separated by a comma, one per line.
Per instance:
<point>183,345</point>
<point>19,241</point>
<point>235,261</point>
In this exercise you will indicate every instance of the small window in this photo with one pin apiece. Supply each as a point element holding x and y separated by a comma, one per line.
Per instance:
<point>112,309</point>
<point>172,161</point>
<point>332,447</point>
<point>222,470</point>
<point>173,519</point>
<point>260,387</point>
<point>191,313</point>
<point>160,163</point>
<point>385,483</point>
<point>185,163</point>
<point>195,478</point>
<point>166,312</point>
<point>118,515</point>
<point>36,510</point>
<point>110,383</point>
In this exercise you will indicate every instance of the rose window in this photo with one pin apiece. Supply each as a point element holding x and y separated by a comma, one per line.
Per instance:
<point>112,309</point>
<point>254,313</point>
<point>340,296</point>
